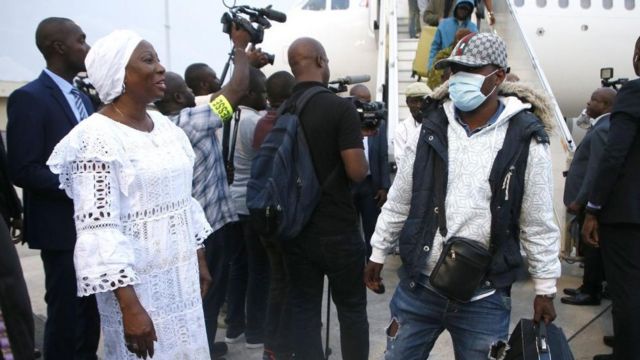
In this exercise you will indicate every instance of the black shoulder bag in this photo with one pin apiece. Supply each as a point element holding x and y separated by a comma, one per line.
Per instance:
<point>463,262</point>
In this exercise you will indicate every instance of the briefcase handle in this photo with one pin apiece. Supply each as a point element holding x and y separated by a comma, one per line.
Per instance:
<point>541,337</point>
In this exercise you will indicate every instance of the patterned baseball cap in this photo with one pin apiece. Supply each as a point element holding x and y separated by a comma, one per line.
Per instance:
<point>476,50</point>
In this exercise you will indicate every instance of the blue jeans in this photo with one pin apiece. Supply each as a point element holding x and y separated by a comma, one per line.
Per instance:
<point>419,315</point>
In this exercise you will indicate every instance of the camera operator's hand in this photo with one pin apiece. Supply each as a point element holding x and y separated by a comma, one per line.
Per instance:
<point>257,58</point>
<point>240,37</point>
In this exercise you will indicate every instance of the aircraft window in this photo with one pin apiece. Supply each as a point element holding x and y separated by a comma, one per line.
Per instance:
<point>630,4</point>
<point>519,3</point>
<point>607,4</point>
<point>585,4</point>
<point>541,3</point>
<point>315,5</point>
<point>339,4</point>
<point>563,3</point>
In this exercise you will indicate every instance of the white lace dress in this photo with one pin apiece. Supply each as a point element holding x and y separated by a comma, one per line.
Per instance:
<point>137,224</point>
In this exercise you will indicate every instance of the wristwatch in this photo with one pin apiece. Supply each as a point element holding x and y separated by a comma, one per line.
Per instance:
<point>548,296</point>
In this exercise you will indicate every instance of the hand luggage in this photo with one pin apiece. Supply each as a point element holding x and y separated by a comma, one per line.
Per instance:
<point>530,341</point>
<point>421,60</point>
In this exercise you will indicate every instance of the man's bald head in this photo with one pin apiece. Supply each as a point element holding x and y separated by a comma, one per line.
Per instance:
<point>177,95</point>
<point>308,60</point>
<point>601,102</point>
<point>361,93</point>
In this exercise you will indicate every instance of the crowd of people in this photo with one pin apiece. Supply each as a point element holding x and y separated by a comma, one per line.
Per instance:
<point>137,201</point>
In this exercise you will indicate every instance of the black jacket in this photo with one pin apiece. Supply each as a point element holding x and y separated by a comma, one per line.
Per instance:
<point>39,117</point>
<point>617,187</point>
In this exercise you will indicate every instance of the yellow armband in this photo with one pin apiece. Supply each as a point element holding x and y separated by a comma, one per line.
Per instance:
<point>221,107</point>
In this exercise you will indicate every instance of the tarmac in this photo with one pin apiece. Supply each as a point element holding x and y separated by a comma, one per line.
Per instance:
<point>584,326</point>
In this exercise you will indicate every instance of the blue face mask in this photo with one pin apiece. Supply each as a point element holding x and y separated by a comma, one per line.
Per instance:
<point>464,90</point>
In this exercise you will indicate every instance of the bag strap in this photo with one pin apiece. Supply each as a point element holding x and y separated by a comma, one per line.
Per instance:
<point>296,108</point>
<point>231,148</point>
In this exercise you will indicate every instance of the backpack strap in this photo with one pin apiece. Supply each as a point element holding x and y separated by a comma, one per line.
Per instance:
<point>296,107</point>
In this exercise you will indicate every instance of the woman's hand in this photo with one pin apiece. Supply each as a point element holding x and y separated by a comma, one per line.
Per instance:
<point>205,276</point>
<point>139,333</point>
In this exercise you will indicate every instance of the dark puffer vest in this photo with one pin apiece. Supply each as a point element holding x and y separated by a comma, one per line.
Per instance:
<point>506,180</point>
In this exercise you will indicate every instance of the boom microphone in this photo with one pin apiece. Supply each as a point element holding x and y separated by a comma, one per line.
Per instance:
<point>274,15</point>
<point>354,79</point>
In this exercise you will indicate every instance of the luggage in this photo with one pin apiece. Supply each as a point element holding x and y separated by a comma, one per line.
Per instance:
<point>421,60</point>
<point>529,341</point>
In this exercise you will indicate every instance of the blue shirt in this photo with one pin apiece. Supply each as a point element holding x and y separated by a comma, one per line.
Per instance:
<point>210,186</point>
<point>491,121</point>
<point>66,88</point>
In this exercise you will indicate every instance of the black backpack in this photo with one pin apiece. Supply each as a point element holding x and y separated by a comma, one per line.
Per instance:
<point>283,190</point>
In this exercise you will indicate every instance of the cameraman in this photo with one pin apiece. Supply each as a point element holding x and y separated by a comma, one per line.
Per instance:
<point>371,194</point>
<point>330,244</point>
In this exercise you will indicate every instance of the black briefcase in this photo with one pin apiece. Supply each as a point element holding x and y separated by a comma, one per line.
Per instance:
<point>529,341</point>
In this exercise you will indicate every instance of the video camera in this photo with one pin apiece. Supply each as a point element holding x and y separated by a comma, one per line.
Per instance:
<point>260,17</point>
<point>371,113</point>
<point>606,74</point>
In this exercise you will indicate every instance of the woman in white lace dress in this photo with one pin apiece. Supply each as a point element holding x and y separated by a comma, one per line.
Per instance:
<point>139,231</point>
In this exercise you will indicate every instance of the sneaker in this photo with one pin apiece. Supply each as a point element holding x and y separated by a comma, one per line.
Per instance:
<point>233,340</point>
<point>250,345</point>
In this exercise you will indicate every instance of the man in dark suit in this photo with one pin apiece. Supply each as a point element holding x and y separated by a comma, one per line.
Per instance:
<point>371,194</point>
<point>40,114</point>
<point>613,216</point>
<point>580,181</point>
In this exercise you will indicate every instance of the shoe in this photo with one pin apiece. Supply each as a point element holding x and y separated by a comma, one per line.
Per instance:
<point>603,357</point>
<point>219,349</point>
<point>581,299</point>
<point>572,292</point>
<point>608,340</point>
<point>234,339</point>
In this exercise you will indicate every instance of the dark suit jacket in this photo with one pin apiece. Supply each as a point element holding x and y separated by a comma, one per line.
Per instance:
<point>617,187</point>
<point>582,172</point>
<point>39,117</point>
<point>379,158</point>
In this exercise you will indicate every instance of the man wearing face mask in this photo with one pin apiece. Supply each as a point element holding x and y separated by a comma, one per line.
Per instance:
<point>477,175</point>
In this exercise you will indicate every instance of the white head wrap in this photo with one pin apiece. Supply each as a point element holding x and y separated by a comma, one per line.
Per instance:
<point>107,60</point>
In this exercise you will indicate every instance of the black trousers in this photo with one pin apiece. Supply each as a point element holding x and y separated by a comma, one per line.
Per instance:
<point>216,249</point>
<point>72,330</point>
<point>341,258</point>
<point>620,244</point>
<point>277,327</point>
<point>14,299</point>
<point>593,268</point>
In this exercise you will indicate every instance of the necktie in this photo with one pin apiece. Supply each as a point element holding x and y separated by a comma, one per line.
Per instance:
<point>82,112</point>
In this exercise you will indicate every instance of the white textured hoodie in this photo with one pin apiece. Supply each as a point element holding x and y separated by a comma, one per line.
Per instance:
<point>468,196</point>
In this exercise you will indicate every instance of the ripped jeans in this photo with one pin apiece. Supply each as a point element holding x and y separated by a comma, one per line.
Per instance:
<point>419,315</point>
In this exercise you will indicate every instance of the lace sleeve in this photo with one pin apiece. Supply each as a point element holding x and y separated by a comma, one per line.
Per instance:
<point>201,227</point>
<point>103,255</point>
<point>95,173</point>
